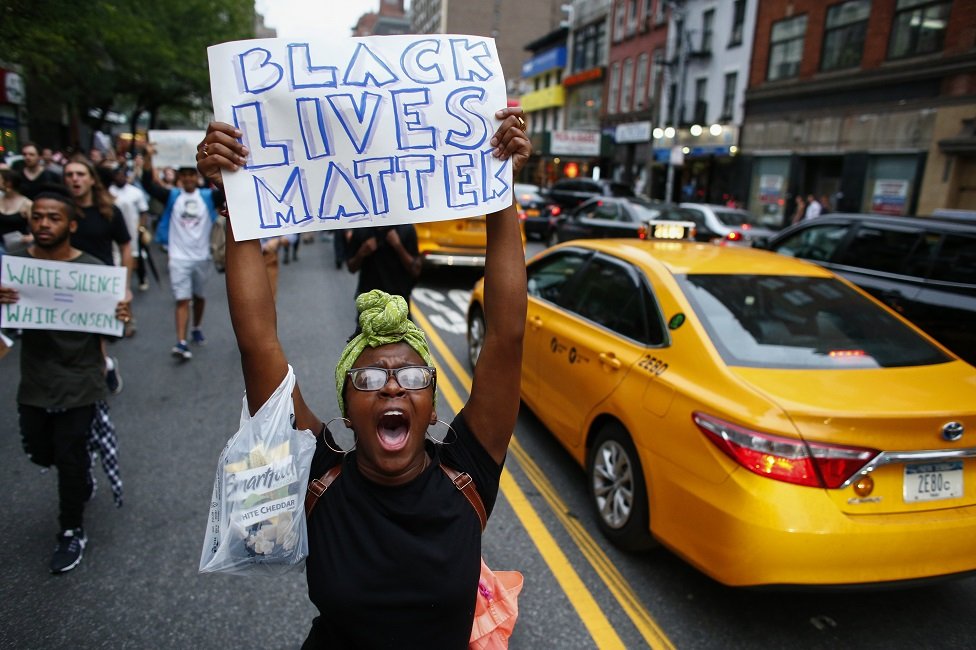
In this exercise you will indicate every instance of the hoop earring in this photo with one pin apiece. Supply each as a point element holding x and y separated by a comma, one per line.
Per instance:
<point>450,430</point>
<point>325,438</point>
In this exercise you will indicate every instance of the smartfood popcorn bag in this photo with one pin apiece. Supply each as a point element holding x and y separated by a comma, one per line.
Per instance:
<point>257,516</point>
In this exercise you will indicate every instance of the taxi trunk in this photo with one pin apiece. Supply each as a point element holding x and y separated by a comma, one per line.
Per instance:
<point>904,417</point>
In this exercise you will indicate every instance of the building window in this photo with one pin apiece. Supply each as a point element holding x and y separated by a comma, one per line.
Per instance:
<point>619,21</point>
<point>738,22</point>
<point>632,18</point>
<point>640,85</point>
<point>659,12</point>
<point>728,97</point>
<point>844,32</point>
<point>588,46</point>
<point>614,88</point>
<point>919,27</point>
<point>786,47</point>
<point>627,86</point>
<point>708,21</point>
<point>701,101</point>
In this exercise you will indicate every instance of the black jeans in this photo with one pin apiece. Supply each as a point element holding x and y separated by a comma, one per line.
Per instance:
<point>61,439</point>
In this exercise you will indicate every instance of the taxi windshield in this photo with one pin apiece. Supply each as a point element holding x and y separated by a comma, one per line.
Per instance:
<point>767,321</point>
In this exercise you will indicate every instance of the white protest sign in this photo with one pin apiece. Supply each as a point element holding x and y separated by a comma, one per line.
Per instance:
<point>62,295</point>
<point>361,131</point>
<point>175,148</point>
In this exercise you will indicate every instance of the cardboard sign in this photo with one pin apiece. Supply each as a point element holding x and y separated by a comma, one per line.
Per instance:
<point>381,130</point>
<point>175,148</point>
<point>62,295</point>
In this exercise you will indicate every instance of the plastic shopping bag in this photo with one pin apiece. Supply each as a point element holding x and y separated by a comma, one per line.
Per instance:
<point>257,515</point>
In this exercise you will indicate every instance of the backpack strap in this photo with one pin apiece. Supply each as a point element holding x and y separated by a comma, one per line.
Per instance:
<point>462,481</point>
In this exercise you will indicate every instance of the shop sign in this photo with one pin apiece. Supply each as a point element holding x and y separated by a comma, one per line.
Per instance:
<point>11,88</point>
<point>593,74</point>
<point>544,98</point>
<point>575,143</point>
<point>889,196</point>
<point>770,188</point>
<point>632,132</point>
<point>554,58</point>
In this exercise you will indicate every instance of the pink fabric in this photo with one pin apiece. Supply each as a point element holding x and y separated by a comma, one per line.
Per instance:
<point>496,609</point>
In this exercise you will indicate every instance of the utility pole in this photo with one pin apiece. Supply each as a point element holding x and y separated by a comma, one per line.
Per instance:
<point>678,15</point>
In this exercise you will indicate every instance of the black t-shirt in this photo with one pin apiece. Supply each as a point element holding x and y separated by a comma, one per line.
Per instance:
<point>60,369</point>
<point>383,269</point>
<point>95,233</point>
<point>31,188</point>
<point>398,567</point>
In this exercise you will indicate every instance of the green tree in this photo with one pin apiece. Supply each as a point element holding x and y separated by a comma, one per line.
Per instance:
<point>118,55</point>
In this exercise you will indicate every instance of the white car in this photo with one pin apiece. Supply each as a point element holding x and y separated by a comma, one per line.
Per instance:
<point>719,224</point>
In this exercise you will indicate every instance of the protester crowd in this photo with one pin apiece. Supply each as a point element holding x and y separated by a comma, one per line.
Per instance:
<point>107,208</point>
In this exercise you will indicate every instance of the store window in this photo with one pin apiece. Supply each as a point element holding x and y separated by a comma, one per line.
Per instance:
<point>844,33</point>
<point>786,47</point>
<point>614,88</point>
<point>728,97</point>
<point>919,27</point>
<point>889,183</point>
<point>627,86</point>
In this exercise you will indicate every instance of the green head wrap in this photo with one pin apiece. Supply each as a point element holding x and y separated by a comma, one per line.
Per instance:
<point>383,320</point>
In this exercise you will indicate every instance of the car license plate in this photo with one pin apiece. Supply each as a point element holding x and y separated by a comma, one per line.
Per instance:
<point>933,481</point>
<point>532,212</point>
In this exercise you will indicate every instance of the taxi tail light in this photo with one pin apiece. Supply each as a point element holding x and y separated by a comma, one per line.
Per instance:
<point>522,215</point>
<point>642,231</point>
<point>812,464</point>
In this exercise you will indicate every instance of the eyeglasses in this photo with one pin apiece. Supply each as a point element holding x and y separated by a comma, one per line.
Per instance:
<point>409,377</point>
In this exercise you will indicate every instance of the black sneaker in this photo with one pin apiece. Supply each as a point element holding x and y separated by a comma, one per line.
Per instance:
<point>113,379</point>
<point>70,549</point>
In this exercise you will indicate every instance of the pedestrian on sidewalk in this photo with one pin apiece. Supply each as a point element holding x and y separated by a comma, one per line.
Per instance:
<point>61,382</point>
<point>386,258</point>
<point>394,549</point>
<point>101,224</point>
<point>184,228</point>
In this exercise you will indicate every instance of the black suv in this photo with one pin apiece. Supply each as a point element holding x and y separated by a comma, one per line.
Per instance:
<point>922,267</point>
<point>568,193</point>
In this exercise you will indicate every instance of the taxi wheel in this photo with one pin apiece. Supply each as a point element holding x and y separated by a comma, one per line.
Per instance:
<point>476,336</point>
<point>617,489</point>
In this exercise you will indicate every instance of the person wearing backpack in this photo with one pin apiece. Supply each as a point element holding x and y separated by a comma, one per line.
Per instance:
<point>185,227</point>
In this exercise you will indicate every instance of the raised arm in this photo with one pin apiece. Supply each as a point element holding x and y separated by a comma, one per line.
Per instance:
<point>493,406</point>
<point>252,307</point>
<point>149,183</point>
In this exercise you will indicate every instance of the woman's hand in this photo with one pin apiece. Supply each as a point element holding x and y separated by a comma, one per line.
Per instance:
<point>510,140</point>
<point>8,296</point>
<point>220,149</point>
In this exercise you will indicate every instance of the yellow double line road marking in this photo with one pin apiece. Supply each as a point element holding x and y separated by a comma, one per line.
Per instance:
<point>582,600</point>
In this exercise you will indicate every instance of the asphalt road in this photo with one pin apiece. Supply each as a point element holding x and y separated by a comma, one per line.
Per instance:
<point>138,586</point>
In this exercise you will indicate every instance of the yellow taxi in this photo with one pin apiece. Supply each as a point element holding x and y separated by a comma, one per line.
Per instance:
<point>760,416</point>
<point>454,242</point>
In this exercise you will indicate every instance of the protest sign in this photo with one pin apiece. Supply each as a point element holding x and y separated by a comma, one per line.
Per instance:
<point>361,131</point>
<point>62,295</point>
<point>175,148</point>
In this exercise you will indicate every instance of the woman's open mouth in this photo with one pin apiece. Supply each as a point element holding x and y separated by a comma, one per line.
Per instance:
<point>393,430</point>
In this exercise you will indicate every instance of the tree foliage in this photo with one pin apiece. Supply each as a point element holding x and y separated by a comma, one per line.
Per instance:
<point>117,54</point>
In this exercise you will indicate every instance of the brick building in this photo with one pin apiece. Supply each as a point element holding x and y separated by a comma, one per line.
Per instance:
<point>869,103</point>
<point>390,19</point>
<point>638,42</point>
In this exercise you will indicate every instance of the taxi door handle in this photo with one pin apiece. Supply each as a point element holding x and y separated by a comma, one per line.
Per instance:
<point>609,359</point>
<point>535,322</point>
